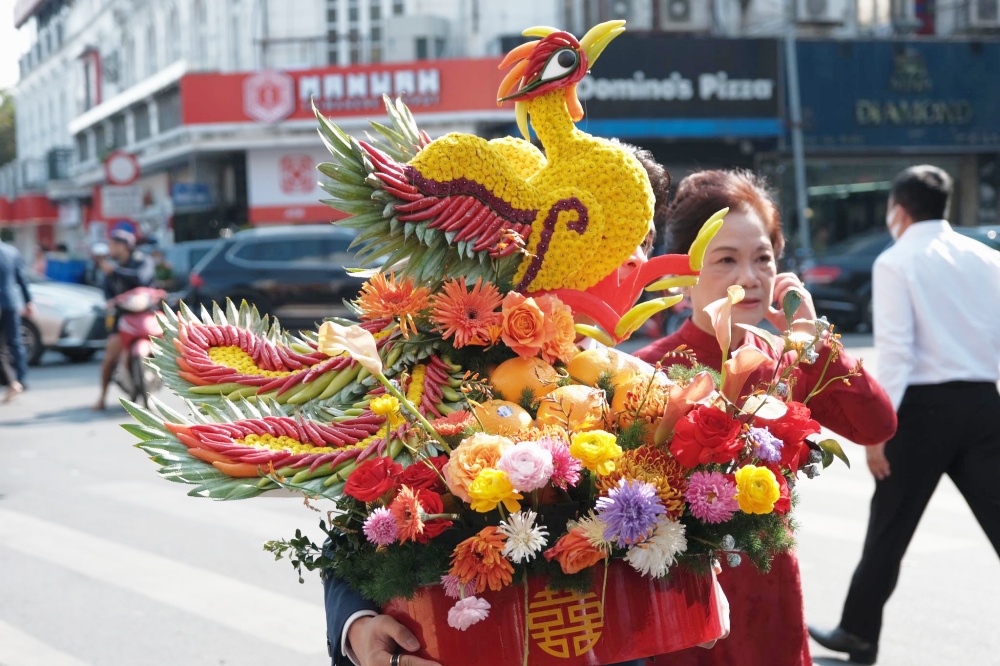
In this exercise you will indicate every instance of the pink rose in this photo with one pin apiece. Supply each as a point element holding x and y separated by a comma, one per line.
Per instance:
<point>527,464</point>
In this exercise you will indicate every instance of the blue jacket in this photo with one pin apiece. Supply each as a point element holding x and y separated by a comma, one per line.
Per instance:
<point>14,292</point>
<point>341,603</point>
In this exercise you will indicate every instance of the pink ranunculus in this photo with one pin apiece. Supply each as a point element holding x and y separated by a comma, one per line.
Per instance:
<point>467,612</point>
<point>528,466</point>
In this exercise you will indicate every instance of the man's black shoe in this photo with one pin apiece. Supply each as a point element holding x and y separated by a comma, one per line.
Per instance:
<point>858,649</point>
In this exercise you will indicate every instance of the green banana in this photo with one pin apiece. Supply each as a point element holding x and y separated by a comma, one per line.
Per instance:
<point>316,387</point>
<point>393,356</point>
<point>343,378</point>
<point>216,388</point>
<point>635,317</point>
<point>450,394</point>
<point>291,393</point>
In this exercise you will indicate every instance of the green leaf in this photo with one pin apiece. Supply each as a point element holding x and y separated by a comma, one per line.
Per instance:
<point>775,342</point>
<point>791,303</point>
<point>145,433</point>
<point>832,447</point>
<point>144,417</point>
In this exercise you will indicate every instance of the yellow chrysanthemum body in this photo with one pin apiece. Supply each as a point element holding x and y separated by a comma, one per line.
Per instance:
<point>237,359</point>
<point>523,156</point>
<point>610,183</point>
<point>457,155</point>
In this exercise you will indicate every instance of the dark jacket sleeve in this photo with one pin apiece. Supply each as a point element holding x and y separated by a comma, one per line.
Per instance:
<point>859,410</point>
<point>341,603</point>
<point>22,281</point>
<point>138,271</point>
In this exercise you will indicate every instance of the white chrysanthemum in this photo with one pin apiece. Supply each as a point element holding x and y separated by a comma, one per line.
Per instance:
<point>594,529</point>
<point>524,539</point>
<point>655,555</point>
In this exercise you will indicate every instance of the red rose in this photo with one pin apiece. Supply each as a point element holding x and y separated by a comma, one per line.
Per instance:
<point>431,503</point>
<point>421,475</point>
<point>792,429</point>
<point>784,503</point>
<point>706,435</point>
<point>373,478</point>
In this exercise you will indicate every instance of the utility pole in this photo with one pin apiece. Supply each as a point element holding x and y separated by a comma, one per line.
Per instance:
<point>795,119</point>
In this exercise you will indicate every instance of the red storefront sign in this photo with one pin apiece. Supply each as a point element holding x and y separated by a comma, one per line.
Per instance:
<point>28,208</point>
<point>431,86</point>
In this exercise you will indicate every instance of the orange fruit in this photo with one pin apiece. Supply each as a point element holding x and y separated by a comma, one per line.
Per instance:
<point>511,377</point>
<point>588,366</point>
<point>501,417</point>
<point>575,407</point>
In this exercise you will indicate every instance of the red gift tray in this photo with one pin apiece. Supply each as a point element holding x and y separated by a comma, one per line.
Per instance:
<point>641,617</point>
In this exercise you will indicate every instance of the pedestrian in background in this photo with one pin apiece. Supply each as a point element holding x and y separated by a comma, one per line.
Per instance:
<point>15,300</point>
<point>937,334</point>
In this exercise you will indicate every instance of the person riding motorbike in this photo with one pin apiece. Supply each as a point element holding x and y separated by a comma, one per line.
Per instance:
<point>131,269</point>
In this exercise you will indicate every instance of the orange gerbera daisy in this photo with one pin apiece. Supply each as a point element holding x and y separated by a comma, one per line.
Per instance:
<point>405,509</point>
<point>651,466</point>
<point>479,560</point>
<point>454,423</point>
<point>384,298</point>
<point>467,315</point>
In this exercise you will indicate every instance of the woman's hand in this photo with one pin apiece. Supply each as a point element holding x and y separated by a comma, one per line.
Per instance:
<point>375,640</point>
<point>877,462</point>
<point>783,283</point>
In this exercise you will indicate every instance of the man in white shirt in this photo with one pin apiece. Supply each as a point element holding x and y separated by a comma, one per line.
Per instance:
<point>936,306</point>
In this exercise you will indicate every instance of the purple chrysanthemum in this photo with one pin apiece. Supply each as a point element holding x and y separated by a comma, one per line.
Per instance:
<point>711,497</point>
<point>453,587</point>
<point>766,446</point>
<point>629,511</point>
<point>565,468</point>
<point>380,527</point>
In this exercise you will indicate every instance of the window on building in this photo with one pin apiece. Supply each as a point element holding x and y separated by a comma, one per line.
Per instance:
<point>168,106</point>
<point>332,31</point>
<point>375,11</point>
<point>126,68</point>
<point>140,119</point>
<point>422,52</point>
<point>152,57</point>
<point>100,141</point>
<point>119,138</point>
<point>82,147</point>
<point>354,46</point>
<point>173,37</point>
<point>376,43</point>
<point>398,7</point>
<point>353,15</point>
<point>235,39</point>
<point>199,43</point>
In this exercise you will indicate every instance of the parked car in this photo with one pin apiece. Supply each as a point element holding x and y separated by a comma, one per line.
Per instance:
<point>68,318</point>
<point>296,273</point>
<point>840,280</point>
<point>184,256</point>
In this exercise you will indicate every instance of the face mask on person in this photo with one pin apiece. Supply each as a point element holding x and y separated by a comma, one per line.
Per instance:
<point>892,221</point>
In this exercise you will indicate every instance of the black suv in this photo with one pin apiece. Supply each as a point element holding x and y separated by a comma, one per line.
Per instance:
<point>296,273</point>
<point>840,280</point>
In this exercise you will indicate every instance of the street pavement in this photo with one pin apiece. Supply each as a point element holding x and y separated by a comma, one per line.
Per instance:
<point>104,564</point>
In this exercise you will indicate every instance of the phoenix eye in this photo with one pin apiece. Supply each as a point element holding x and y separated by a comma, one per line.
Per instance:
<point>561,63</point>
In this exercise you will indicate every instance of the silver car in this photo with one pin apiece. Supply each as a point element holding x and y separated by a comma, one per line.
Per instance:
<point>68,318</point>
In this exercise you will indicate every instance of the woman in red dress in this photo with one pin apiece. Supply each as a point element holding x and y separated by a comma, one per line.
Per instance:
<point>768,620</point>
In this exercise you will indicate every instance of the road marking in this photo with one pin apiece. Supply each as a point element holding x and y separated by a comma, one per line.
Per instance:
<point>265,615</point>
<point>247,517</point>
<point>20,649</point>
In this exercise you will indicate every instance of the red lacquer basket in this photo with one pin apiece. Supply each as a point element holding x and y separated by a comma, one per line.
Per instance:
<point>640,617</point>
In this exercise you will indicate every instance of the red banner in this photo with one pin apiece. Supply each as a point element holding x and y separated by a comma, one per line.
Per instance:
<point>28,208</point>
<point>270,96</point>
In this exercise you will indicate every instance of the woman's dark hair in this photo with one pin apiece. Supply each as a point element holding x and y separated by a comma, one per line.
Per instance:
<point>659,179</point>
<point>923,191</point>
<point>704,193</point>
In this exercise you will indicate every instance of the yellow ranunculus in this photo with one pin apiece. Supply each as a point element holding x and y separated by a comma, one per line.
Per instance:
<point>756,489</point>
<point>597,450</point>
<point>492,487</point>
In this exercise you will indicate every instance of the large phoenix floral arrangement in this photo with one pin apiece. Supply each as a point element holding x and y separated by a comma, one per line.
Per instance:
<point>459,431</point>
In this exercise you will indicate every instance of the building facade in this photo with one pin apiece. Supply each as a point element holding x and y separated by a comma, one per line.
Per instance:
<point>208,103</point>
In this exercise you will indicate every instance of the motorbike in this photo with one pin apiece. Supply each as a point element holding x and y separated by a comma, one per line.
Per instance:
<point>137,323</point>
